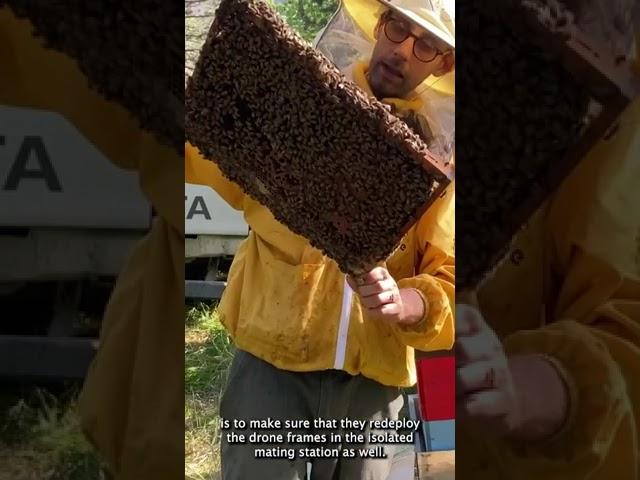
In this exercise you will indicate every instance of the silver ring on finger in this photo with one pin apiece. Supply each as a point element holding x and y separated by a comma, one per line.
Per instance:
<point>389,298</point>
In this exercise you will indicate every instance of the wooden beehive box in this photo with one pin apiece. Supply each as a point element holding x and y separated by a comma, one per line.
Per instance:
<point>536,94</point>
<point>436,465</point>
<point>281,121</point>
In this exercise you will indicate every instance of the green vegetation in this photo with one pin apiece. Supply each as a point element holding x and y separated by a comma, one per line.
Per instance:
<point>307,17</point>
<point>208,355</point>
<point>40,438</point>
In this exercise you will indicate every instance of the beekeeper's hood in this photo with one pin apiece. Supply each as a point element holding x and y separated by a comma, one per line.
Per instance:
<point>435,16</point>
<point>349,37</point>
<point>354,25</point>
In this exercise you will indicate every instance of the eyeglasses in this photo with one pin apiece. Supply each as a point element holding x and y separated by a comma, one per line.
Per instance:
<point>397,31</point>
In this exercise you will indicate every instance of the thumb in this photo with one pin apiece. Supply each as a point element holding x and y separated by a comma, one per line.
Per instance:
<point>468,320</point>
<point>352,283</point>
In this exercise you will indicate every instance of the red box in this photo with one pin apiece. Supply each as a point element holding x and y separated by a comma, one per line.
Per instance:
<point>437,388</point>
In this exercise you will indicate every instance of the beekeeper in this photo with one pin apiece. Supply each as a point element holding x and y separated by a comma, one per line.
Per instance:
<point>549,364</point>
<point>140,358</point>
<point>309,345</point>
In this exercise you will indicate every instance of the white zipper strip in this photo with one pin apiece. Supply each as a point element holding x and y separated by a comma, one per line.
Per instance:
<point>343,329</point>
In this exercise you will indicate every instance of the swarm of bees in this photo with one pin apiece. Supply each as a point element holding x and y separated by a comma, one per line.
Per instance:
<point>280,120</point>
<point>522,113</point>
<point>131,53</point>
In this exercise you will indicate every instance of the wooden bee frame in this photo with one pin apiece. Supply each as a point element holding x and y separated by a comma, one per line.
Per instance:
<point>611,85</point>
<point>280,120</point>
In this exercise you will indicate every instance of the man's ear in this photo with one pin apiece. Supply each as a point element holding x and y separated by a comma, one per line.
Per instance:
<point>448,64</point>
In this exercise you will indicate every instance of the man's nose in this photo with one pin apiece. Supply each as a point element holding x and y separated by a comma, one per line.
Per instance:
<point>404,49</point>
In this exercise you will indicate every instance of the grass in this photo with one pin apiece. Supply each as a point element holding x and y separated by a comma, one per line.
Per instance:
<point>41,439</point>
<point>208,355</point>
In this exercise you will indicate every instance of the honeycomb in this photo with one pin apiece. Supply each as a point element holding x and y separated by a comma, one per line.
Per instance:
<point>525,116</point>
<point>280,120</point>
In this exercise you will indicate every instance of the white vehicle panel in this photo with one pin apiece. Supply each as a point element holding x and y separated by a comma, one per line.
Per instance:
<point>206,213</point>
<point>52,176</point>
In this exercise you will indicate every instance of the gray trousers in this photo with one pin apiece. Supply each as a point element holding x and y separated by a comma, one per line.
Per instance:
<point>258,390</point>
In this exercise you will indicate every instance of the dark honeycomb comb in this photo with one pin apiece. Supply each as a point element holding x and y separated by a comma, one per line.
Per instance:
<point>281,121</point>
<point>536,95</point>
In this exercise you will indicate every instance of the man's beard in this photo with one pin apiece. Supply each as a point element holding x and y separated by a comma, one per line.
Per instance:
<point>380,90</point>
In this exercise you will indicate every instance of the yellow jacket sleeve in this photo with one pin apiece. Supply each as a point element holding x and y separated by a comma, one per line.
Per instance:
<point>436,283</point>
<point>132,401</point>
<point>201,171</point>
<point>596,342</point>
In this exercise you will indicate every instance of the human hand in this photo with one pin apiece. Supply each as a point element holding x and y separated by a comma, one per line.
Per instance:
<point>520,396</point>
<point>382,299</point>
<point>484,385</point>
